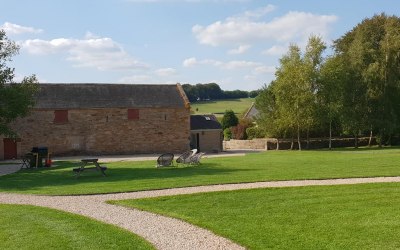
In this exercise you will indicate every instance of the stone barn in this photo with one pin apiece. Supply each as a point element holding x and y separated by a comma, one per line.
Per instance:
<point>205,133</point>
<point>72,119</point>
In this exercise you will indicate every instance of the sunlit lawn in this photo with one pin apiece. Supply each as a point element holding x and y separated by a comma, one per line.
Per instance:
<point>266,166</point>
<point>218,107</point>
<point>364,216</point>
<point>30,227</point>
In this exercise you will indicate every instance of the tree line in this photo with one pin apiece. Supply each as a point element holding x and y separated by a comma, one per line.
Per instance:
<point>355,91</point>
<point>212,91</point>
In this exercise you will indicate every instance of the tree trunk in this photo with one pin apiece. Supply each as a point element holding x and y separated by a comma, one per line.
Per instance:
<point>355,141</point>
<point>277,143</point>
<point>308,139</point>
<point>370,139</point>
<point>292,144</point>
<point>389,140</point>
<point>298,136</point>
<point>380,139</point>
<point>330,135</point>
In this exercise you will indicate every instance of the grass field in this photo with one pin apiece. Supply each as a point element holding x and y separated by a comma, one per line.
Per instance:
<point>239,106</point>
<point>31,227</point>
<point>361,216</point>
<point>266,166</point>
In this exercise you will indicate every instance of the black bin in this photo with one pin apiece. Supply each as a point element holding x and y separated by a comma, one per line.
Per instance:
<point>41,153</point>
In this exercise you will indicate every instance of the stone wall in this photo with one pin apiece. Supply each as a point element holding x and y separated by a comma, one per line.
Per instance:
<point>245,144</point>
<point>105,131</point>
<point>271,143</point>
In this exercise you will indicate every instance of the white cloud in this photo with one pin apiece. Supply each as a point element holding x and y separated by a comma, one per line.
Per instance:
<point>254,14</point>
<point>94,52</point>
<point>15,29</point>
<point>275,50</point>
<point>264,70</point>
<point>230,65</point>
<point>189,62</point>
<point>240,50</point>
<point>166,72</point>
<point>291,27</point>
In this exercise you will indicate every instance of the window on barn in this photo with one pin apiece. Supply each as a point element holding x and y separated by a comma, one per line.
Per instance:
<point>60,116</point>
<point>133,114</point>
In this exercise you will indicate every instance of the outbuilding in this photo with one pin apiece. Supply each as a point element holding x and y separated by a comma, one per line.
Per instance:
<point>205,133</point>
<point>72,119</point>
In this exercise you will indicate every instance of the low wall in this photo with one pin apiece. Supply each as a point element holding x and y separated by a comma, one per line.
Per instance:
<point>245,144</point>
<point>271,143</point>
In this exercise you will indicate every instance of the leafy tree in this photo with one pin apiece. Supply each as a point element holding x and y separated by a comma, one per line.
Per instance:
<point>16,99</point>
<point>254,93</point>
<point>229,119</point>
<point>269,119</point>
<point>371,52</point>
<point>330,90</point>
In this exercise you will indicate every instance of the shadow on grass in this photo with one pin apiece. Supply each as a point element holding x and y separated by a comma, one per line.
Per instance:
<point>360,149</point>
<point>31,179</point>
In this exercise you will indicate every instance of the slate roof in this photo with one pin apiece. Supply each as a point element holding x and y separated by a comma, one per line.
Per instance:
<point>79,96</point>
<point>252,112</point>
<point>204,122</point>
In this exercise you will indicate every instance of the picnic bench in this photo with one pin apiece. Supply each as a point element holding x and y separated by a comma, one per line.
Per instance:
<point>90,162</point>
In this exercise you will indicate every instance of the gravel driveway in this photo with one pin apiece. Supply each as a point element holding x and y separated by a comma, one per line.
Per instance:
<point>163,232</point>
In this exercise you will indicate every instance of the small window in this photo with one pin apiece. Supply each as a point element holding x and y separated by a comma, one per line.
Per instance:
<point>133,114</point>
<point>60,116</point>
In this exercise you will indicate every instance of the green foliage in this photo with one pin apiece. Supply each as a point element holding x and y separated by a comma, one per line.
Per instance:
<point>229,119</point>
<point>212,91</point>
<point>363,216</point>
<point>355,91</point>
<point>15,98</point>
<point>371,54</point>
<point>32,227</point>
<point>255,132</point>
<point>227,134</point>
<point>266,166</point>
<point>289,104</point>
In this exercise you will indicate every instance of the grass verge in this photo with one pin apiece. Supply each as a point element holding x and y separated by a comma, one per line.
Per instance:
<point>266,166</point>
<point>361,216</point>
<point>31,227</point>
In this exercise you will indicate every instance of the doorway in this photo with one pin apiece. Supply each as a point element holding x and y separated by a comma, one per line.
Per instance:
<point>10,149</point>
<point>195,141</point>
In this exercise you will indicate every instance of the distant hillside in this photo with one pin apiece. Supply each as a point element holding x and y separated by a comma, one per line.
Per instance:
<point>218,107</point>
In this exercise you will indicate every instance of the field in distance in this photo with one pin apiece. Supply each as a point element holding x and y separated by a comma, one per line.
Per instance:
<point>218,107</point>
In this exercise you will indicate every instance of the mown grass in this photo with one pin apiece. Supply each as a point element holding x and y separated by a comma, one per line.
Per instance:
<point>31,227</point>
<point>265,166</point>
<point>218,107</point>
<point>361,216</point>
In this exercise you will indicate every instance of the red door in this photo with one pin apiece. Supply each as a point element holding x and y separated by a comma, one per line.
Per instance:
<point>10,148</point>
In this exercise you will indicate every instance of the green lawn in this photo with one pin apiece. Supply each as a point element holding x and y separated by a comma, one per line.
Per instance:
<point>364,216</point>
<point>239,106</point>
<point>266,166</point>
<point>31,227</point>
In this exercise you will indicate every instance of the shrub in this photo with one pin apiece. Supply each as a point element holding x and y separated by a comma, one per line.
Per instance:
<point>227,134</point>
<point>255,132</point>
<point>229,119</point>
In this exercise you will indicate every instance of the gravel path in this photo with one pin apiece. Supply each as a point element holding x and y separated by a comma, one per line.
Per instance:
<point>163,232</point>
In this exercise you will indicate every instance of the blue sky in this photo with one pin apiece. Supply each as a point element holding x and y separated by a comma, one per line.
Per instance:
<point>235,43</point>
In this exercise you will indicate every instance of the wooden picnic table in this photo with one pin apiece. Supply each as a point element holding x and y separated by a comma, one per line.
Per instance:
<point>90,162</point>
